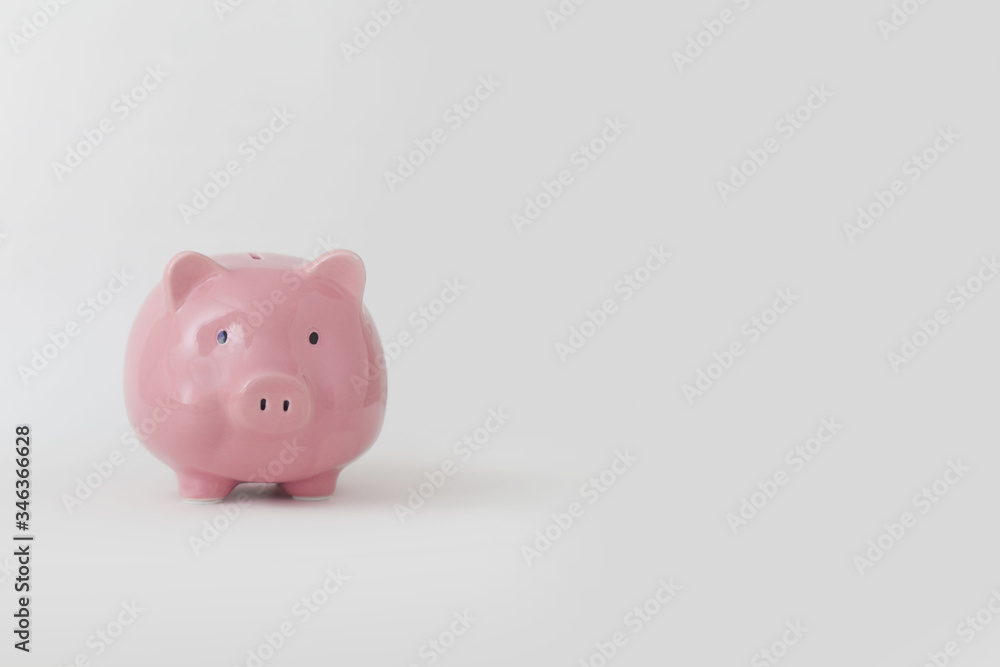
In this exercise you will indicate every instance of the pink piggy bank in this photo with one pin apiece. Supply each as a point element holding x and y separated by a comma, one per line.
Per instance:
<point>256,368</point>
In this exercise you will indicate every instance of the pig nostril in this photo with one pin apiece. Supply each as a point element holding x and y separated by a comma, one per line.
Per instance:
<point>263,402</point>
<point>286,406</point>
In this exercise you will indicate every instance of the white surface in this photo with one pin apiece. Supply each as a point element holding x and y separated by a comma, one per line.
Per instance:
<point>321,182</point>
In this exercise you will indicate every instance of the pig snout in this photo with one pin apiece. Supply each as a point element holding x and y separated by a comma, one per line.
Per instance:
<point>273,404</point>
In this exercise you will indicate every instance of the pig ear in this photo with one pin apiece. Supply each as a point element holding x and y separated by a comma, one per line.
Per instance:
<point>184,273</point>
<point>342,267</point>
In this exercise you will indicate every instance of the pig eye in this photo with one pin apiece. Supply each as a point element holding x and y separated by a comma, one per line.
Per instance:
<point>314,338</point>
<point>222,337</point>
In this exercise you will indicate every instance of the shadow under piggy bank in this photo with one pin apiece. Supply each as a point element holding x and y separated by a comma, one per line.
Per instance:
<point>413,485</point>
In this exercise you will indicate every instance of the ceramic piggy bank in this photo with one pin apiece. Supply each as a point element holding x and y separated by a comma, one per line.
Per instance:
<point>256,368</point>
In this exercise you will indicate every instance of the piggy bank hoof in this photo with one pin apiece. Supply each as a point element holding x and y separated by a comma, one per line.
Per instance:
<point>201,488</point>
<point>317,487</point>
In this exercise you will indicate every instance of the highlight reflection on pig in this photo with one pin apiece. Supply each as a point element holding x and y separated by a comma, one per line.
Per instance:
<point>256,368</point>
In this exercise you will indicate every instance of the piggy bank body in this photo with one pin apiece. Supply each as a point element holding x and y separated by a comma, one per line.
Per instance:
<point>256,368</point>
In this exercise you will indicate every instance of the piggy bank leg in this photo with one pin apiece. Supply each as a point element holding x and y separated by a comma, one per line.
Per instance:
<point>202,487</point>
<point>317,487</point>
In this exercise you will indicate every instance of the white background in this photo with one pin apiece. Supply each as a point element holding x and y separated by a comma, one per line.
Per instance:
<point>322,182</point>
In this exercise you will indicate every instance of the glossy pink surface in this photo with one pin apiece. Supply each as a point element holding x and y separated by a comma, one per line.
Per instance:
<point>292,391</point>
